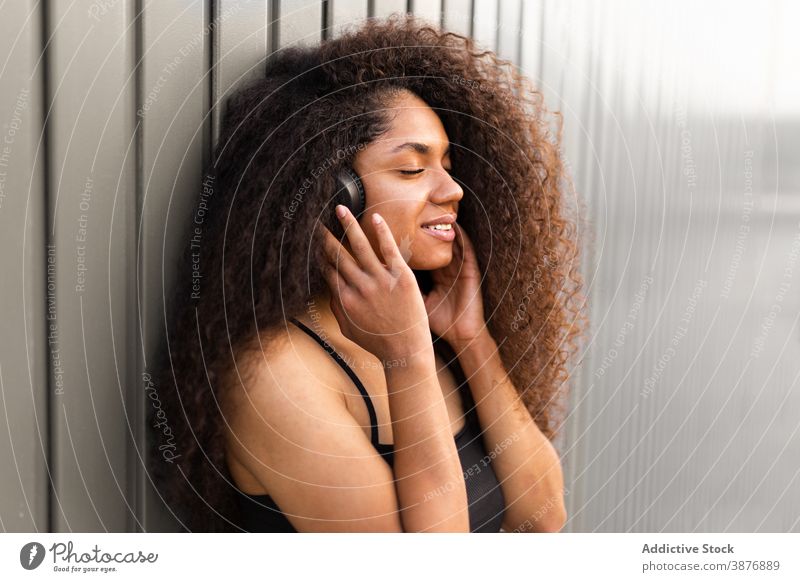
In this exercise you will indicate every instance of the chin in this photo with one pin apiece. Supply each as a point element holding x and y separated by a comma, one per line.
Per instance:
<point>431,258</point>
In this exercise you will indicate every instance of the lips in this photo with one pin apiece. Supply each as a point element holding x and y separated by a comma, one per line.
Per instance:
<point>447,235</point>
<point>443,219</point>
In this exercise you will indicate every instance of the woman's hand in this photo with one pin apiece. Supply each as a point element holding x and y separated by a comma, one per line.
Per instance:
<point>378,306</point>
<point>455,304</point>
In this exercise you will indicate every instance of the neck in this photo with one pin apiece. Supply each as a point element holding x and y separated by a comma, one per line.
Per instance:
<point>318,314</point>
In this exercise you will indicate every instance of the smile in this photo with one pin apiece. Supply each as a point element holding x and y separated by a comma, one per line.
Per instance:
<point>444,232</point>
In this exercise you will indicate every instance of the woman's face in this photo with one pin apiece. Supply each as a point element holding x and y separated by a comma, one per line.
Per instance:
<point>406,179</point>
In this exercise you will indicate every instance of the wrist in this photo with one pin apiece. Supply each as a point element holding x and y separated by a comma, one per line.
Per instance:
<point>479,341</point>
<point>411,371</point>
<point>409,353</point>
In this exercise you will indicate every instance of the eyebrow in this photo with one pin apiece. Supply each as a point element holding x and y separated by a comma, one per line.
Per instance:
<point>418,147</point>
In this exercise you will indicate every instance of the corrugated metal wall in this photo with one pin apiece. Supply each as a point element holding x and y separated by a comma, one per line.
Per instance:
<point>681,416</point>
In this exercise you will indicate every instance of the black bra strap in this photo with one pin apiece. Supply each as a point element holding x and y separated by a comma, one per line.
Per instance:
<point>373,418</point>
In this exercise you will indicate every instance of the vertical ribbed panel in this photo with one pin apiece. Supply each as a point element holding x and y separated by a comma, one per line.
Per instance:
<point>681,135</point>
<point>24,349</point>
<point>344,14</point>
<point>240,47</point>
<point>532,25</point>
<point>484,23</point>
<point>509,31</point>
<point>91,220</point>
<point>386,7</point>
<point>430,10</point>
<point>175,140</point>
<point>457,16</point>
<point>681,412</point>
<point>299,22</point>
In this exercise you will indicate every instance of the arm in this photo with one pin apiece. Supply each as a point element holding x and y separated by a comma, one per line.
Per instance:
<point>425,455</point>
<point>527,464</point>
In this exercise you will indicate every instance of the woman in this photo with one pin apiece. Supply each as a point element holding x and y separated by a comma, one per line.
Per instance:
<point>395,371</point>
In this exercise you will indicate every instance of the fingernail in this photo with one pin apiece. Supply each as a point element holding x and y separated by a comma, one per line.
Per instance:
<point>340,211</point>
<point>376,218</point>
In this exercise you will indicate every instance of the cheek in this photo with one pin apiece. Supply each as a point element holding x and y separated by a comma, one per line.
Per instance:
<point>403,219</point>
<point>402,208</point>
<point>405,236</point>
<point>398,203</point>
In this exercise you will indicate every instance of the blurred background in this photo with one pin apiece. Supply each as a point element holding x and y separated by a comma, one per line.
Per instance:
<point>682,134</point>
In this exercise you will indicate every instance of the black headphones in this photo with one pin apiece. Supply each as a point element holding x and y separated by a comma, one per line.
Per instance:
<point>350,191</point>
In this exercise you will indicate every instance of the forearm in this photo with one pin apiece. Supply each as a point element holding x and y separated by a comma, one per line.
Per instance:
<point>429,479</point>
<point>526,463</point>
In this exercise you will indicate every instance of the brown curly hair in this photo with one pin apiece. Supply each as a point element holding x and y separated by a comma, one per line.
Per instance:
<point>258,211</point>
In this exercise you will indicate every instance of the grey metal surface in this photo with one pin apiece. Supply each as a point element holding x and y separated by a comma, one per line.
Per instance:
<point>430,10</point>
<point>241,44</point>
<point>24,430</point>
<point>342,15</point>
<point>509,30</point>
<point>681,416</point>
<point>532,25</point>
<point>90,221</point>
<point>457,16</point>
<point>175,134</point>
<point>91,217</point>
<point>299,22</point>
<point>387,7</point>
<point>484,23</point>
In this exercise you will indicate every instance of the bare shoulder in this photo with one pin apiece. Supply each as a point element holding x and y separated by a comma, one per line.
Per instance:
<point>283,353</point>
<point>289,426</point>
<point>286,368</point>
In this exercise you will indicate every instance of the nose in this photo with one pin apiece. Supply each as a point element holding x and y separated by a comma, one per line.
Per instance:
<point>447,190</point>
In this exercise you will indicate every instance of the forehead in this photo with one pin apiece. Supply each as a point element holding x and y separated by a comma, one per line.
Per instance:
<point>413,121</point>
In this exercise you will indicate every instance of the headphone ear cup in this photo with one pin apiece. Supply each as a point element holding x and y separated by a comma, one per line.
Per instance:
<point>350,191</point>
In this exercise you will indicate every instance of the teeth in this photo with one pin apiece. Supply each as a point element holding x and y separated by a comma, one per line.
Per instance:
<point>439,226</point>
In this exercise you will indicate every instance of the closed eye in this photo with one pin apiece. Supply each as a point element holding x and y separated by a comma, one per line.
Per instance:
<point>414,172</point>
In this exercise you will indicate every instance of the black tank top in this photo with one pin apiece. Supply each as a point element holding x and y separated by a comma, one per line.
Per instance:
<point>260,513</point>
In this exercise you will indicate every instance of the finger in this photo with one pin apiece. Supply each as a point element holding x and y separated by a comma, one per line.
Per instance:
<point>389,250</point>
<point>331,246</point>
<point>362,249</point>
<point>338,257</point>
